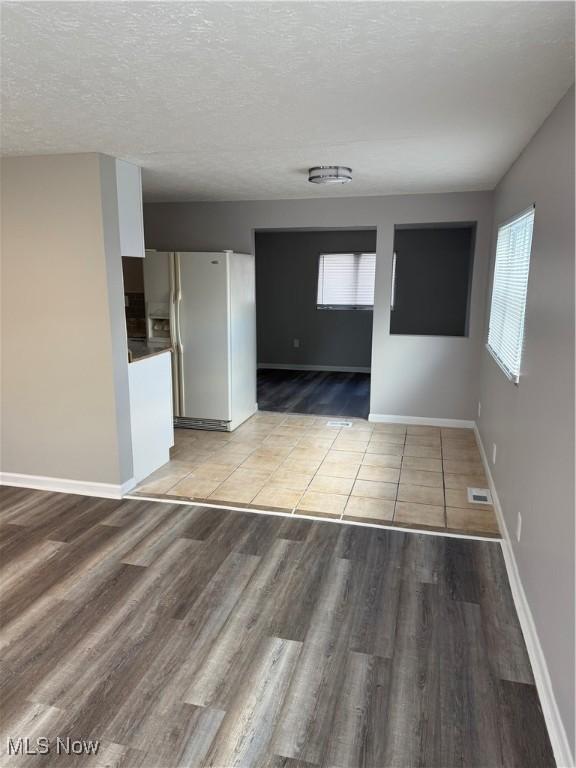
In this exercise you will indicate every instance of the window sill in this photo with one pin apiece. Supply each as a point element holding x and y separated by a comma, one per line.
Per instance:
<point>511,377</point>
<point>345,307</point>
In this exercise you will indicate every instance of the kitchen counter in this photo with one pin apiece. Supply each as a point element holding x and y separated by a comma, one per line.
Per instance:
<point>151,417</point>
<point>138,350</point>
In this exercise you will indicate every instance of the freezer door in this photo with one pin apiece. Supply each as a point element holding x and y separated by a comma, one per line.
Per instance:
<point>203,332</point>
<point>157,279</point>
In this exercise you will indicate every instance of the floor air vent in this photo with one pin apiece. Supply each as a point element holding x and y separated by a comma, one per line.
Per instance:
<point>339,424</point>
<point>214,425</point>
<point>479,496</point>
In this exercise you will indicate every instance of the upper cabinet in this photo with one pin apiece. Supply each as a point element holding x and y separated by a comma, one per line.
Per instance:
<point>130,211</point>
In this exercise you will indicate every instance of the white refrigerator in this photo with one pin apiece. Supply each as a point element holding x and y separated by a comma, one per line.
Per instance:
<point>209,299</point>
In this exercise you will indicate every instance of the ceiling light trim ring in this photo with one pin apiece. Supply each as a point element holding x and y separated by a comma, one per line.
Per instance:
<point>330,174</point>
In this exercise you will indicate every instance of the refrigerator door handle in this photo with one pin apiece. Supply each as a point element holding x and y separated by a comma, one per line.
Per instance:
<point>174,335</point>
<point>172,303</point>
<point>179,345</point>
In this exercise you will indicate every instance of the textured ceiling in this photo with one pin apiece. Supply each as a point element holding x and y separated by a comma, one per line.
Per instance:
<point>231,101</point>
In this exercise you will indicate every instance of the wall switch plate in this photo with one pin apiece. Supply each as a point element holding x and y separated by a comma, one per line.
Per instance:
<point>479,409</point>
<point>296,343</point>
<point>493,453</point>
<point>518,527</point>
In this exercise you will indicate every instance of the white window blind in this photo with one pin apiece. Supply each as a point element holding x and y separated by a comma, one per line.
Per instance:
<point>506,327</point>
<point>346,280</point>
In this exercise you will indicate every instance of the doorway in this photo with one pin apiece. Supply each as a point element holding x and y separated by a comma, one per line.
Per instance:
<point>314,306</point>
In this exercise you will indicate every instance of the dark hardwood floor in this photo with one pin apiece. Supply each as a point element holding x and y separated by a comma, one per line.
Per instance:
<point>318,392</point>
<point>189,636</point>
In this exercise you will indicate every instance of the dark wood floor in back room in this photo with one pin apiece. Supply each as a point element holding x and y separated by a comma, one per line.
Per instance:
<point>193,636</point>
<point>330,393</point>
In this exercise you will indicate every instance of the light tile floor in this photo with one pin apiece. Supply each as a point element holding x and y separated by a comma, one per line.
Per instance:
<point>382,474</point>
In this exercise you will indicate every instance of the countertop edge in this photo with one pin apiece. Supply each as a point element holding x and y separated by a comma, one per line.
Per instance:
<point>149,355</point>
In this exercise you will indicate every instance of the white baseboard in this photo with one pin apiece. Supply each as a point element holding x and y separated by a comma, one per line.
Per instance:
<point>127,486</point>
<point>384,418</point>
<point>556,730</point>
<point>297,367</point>
<point>63,485</point>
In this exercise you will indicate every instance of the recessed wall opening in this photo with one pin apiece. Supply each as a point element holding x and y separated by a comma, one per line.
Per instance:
<point>314,307</point>
<point>432,279</point>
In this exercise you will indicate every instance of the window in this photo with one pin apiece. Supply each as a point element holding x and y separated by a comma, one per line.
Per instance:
<point>346,280</point>
<point>432,279</point>
<point>506,327</point>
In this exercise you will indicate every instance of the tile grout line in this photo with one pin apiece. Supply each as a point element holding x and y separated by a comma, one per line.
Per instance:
<point>348,496</point>
<point>295,507</point>
<point>354,480</point>
<point>255,441</point>
<point>281,423</point>
<point>315,473</point>
<point>400,474</point>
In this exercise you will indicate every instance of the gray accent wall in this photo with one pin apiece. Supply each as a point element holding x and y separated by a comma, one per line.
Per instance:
<point>419,376</point>
<point>65,401</point>
<point>532,424</point>
<point>286,294</point>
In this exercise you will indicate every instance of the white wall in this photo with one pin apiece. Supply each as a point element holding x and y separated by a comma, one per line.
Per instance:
<point>411,376</point>
<point>533,423</point>
<point>65,407</point>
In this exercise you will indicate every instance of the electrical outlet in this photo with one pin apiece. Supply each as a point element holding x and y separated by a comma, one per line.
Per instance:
<point>518,527</point>
<point>479,408</point>
<point>493,453</point>
<point>296,343</point>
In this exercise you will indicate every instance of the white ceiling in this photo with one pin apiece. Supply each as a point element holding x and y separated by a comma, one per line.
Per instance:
<point>234,101</point>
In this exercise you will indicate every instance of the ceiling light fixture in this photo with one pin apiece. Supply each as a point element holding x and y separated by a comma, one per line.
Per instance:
<point>330,174</point>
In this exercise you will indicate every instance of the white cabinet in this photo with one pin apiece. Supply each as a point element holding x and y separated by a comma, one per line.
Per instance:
<point>130,212</point>
<point>150,381</point>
